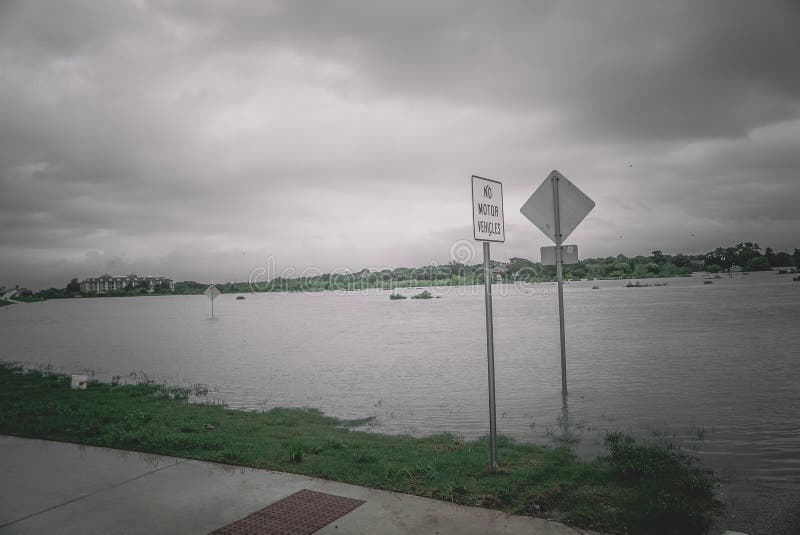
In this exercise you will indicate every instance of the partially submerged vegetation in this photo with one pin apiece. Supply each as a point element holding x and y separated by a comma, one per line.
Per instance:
<point>640,285</point>
<point>422,295</point>
<point>634,489</point>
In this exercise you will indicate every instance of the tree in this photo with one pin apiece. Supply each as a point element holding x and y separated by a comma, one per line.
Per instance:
<point>73,287</point>
<point>724,258</point>
<point>578,273</point>
<point>781,259</point>
<point>681,260</point>
<point>758,263</point>
<point>658,257</point>
<point>744,252</point>
<point>162,287</point>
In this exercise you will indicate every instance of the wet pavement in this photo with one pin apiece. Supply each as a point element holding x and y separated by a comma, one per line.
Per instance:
<point>54,487</point>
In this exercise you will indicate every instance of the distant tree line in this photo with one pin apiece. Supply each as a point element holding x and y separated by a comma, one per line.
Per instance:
<point>746,256</point>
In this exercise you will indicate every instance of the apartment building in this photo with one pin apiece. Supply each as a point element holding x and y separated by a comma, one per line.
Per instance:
<point>112,283</point>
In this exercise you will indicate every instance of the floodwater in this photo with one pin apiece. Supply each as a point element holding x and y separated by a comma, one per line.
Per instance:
<point>713,368</point>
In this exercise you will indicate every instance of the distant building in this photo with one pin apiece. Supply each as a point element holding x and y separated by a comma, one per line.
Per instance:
<point>108,283</point>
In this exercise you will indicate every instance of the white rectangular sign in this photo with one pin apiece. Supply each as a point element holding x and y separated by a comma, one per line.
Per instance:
<point>569,255</point>
<point>487,210</point>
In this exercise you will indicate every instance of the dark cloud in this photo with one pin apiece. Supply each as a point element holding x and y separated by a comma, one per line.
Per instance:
<point>199,139</point>
<point>622,69</point>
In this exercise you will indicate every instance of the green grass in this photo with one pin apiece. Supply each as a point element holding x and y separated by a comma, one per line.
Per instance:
<point>635,489</point>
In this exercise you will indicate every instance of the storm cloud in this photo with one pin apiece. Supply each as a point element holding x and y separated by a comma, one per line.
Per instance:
<point>198,140</point>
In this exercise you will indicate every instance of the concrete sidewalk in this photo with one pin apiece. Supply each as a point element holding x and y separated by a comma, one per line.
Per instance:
<point>53,487</point>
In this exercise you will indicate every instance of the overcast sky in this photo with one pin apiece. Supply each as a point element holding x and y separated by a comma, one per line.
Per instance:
<point>198,140</point>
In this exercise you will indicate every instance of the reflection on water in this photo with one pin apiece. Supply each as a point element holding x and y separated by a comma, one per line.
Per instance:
<point>712,367</point>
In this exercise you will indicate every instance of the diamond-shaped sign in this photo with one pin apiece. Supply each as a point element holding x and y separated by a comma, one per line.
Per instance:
<point>573,206</point>
<point>211,292</point>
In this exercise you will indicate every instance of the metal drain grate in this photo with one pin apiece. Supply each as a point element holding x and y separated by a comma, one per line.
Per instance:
<point>301,513</point>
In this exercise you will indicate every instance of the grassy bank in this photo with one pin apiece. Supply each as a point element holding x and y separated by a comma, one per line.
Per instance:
<point>634,489</point>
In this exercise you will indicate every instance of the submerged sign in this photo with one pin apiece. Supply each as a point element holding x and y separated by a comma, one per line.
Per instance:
<point>211,292</point>
<point>487,210</point>
<point>556,207</point>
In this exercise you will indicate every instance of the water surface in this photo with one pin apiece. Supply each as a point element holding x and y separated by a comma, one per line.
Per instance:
<point>710,367</point>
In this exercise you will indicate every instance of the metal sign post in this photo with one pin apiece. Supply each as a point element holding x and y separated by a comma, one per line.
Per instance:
<point>488,226</point>
<point>556,208</point>
<point>560,282</point>
<point>487,283</point>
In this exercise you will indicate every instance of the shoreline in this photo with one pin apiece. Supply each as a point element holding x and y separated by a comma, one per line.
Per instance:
<point>418,284</point>
<point>612,494</point>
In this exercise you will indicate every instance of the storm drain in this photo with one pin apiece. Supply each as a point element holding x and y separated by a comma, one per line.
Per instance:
<point>301,513</point>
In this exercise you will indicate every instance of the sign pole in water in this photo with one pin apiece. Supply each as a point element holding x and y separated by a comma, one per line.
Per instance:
<point>556,208</point>
<point>211,292</point>
<point>560,283</point>
<point>488,226</point>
